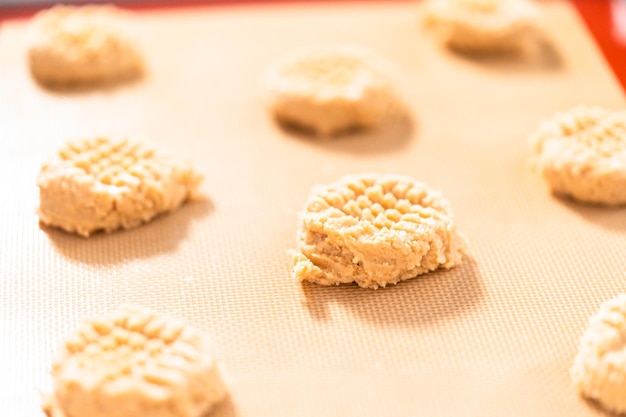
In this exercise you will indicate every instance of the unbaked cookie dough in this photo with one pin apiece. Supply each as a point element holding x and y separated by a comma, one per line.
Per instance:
<point>599,370</point>
<point>103,185</point>
<point>135,362</point>
<point>581,153</point>
<point>481,26</point>
<point>82,45</point>
<point>329,89</point>
<point>375,230</point>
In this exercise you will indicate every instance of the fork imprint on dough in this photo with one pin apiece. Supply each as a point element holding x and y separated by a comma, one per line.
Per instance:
<point>481,25</point>
<point>103,184</point>
<point>135,362</point>
<point>87,44</point>
<point>581,153</point>
<point>330,89</point>
<point>599,369</point>
<point>375,230</point>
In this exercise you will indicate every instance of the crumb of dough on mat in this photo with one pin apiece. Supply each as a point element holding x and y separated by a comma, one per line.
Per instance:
<point>330,89</point>
<point>375,230</point>
<point>102,184</point>
<point>135,362</point>
<point>481,26</point>
<point>599,369</point>
<point>581,153</point>
<point>83,45</point>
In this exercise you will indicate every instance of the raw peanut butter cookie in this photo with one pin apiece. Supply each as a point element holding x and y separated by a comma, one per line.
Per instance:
<point>375,230</point>
<point>103,185</point>
<point>329,89</point>
<point>599,370</point>
<point>581,153</point>
<point>132,363</point>
<point>82,45</point>
<point>481,25</point>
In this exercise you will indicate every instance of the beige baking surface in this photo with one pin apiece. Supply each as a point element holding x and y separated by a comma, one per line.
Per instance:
<point>494,337</point>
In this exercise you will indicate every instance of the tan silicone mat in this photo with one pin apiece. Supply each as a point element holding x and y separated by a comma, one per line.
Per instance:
<point>494,337</point>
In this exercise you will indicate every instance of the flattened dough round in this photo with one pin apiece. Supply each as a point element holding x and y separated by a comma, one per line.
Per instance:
<point>477,26</point>
<point>599,370</point>
<point>581,153</point>
<point>135,362</point>
<point>375,230</point>
<point>329,89</point>
<point>103,185</point>
<point>82,45</point>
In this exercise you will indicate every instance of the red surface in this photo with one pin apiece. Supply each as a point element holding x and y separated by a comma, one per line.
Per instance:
<point>595,13</point>
<point>597,16</point>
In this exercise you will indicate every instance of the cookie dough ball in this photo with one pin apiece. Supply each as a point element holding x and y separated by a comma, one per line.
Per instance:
<point>375,230</point>
<point>581,153</point>
<point>135,362</point>
<point>82,45</point>
<point>599,370</point>
<point>103,185</point>
<point>329,89</point>
<point>481,26</point>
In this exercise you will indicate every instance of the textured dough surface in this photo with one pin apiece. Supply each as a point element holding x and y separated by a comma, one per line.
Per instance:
<point>581,153</point>
<point>82,45</point>
<point>481,25</point>
<point>599,370</point>
<point>103,185</point>
<point>329,89</point>
<point>135,362</point>
<point>375,230</point>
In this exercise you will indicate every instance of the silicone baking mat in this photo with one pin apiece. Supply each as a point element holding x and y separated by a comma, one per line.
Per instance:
<point>494,337</point>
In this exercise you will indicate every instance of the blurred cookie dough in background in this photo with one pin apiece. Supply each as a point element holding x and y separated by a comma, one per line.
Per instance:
<point>330,89</point>
<point>83,46</point>
<point>481,26</point>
